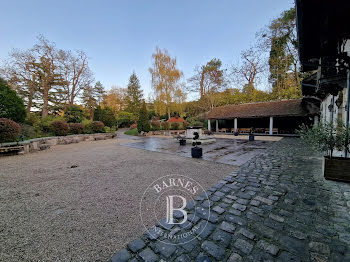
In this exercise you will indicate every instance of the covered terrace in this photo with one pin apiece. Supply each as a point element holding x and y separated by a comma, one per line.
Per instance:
<point>274,117</point>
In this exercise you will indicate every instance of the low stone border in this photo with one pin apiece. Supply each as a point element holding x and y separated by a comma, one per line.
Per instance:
<point>37,144</point>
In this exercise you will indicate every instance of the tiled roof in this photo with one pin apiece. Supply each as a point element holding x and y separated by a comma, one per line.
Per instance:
<point>262,109</point>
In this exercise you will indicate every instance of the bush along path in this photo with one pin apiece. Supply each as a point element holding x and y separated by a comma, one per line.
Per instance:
<point>277,207</point>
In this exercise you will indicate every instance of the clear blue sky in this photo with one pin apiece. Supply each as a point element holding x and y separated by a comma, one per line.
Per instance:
<point>120,36</point>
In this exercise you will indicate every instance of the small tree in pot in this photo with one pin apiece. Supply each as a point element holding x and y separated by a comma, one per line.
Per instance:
<point>196,152</point>
<point>326,138</point>
<point>251,134</point>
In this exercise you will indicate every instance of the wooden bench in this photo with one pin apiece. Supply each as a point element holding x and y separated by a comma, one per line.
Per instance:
<point>244,130</point>
<point>11,149</point>
<point>222,130</point>
<point>274,131</point>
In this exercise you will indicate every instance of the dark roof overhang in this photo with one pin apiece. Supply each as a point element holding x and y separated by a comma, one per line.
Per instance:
<point>322,26</point>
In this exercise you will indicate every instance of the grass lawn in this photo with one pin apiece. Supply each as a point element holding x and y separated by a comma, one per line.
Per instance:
<point>131,132</point>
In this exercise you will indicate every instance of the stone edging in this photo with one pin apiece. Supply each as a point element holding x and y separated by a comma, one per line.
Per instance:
<point>43,143</point>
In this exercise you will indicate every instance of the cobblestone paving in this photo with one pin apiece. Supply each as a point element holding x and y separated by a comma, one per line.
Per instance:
<point>276,207</point>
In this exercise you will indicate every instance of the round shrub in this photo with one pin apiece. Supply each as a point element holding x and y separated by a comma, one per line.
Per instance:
<point>29,132</point>
<point>76,128</point>
<point>11,105</point>
<point>198,123</point>
<point>60,128</point>
<point>175,126</point>
<point>87,126</point>
<point>97,127</point>
<point>45,123</point>
<point>9,130</point>
<point>155,125</point>
<point>74,114</point>
<point>165,125</point>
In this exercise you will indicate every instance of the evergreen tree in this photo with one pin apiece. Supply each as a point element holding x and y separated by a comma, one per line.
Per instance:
<point>89,101</point>
<point>143,122</point>
<point>99,92</point>
<point>134,94</point>
<point>105,115</point>
<point>11,105</point>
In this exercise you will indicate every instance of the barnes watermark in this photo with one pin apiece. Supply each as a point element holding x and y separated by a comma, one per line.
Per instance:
<point>169,203</point>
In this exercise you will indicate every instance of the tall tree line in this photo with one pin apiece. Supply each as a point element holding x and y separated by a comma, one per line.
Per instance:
<point>47,77</point>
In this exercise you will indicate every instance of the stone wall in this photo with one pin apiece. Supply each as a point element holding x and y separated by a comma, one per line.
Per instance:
<point>39,144</point>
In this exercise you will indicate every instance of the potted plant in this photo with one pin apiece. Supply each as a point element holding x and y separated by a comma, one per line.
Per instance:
<point>251,134</point>
<point>327,138</point>
<point>182,141</point>
<point>196,151</point>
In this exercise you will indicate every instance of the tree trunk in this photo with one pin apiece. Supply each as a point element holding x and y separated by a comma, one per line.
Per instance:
<point>202,85</point>
<point>30,99</point>
<point>46,101</point>
<point>168,112</point>
<point>31,94</point>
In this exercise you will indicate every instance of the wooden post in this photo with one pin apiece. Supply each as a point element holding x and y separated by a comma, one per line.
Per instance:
<point>209,126</point>
<point>236,127</point>
<point>216,125</point>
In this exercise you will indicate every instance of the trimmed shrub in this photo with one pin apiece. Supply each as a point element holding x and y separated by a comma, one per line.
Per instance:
<point>198,124</point>
<point>143,122</point>
<point>76,128</point>
<point>32,119</point>
<point>87,126</point>
<point>134,125</point>
<point>105,115</point>
<point>45,123</point>
<point>185,125</point>
<point>175,126</point>
<point>11,105</point>
<point>155,125</point>
<point>60,128</point>
<point>74,114</point>
<point>29,132</point>
<point>9,130</point>
<point>125,119</point>
<point>97,127</point>
<point>165,125</point>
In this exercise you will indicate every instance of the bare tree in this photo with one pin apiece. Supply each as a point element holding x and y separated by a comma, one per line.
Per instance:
<point>21,74</point>
<point>247,72</point>
<point>76,73</point>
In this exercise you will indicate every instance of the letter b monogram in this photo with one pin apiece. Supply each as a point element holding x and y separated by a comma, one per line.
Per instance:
<point>170,209</point>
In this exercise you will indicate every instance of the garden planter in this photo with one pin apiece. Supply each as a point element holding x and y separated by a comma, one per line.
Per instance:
<point>337,168</point>
<point>251,137</point>
<point>196,152</point>
<point>182,142</point>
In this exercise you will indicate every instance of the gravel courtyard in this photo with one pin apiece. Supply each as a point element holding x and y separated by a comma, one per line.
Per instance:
<point>50,211</point>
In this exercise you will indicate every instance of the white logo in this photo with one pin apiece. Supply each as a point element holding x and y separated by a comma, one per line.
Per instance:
<point>169,204</point>
<point>170,210</point>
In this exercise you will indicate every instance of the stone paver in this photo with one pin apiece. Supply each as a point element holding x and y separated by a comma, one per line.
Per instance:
<point>276,207</point>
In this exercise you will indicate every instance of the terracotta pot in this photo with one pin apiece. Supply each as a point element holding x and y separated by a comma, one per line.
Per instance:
<point>337,168</point>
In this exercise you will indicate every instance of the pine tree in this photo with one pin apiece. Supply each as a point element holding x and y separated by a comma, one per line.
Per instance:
<point>89,101</point>
<point>99,92</point>
<point>134,94</point>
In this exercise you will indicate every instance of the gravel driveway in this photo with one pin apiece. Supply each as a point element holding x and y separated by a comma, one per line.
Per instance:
<point>50,211</point>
